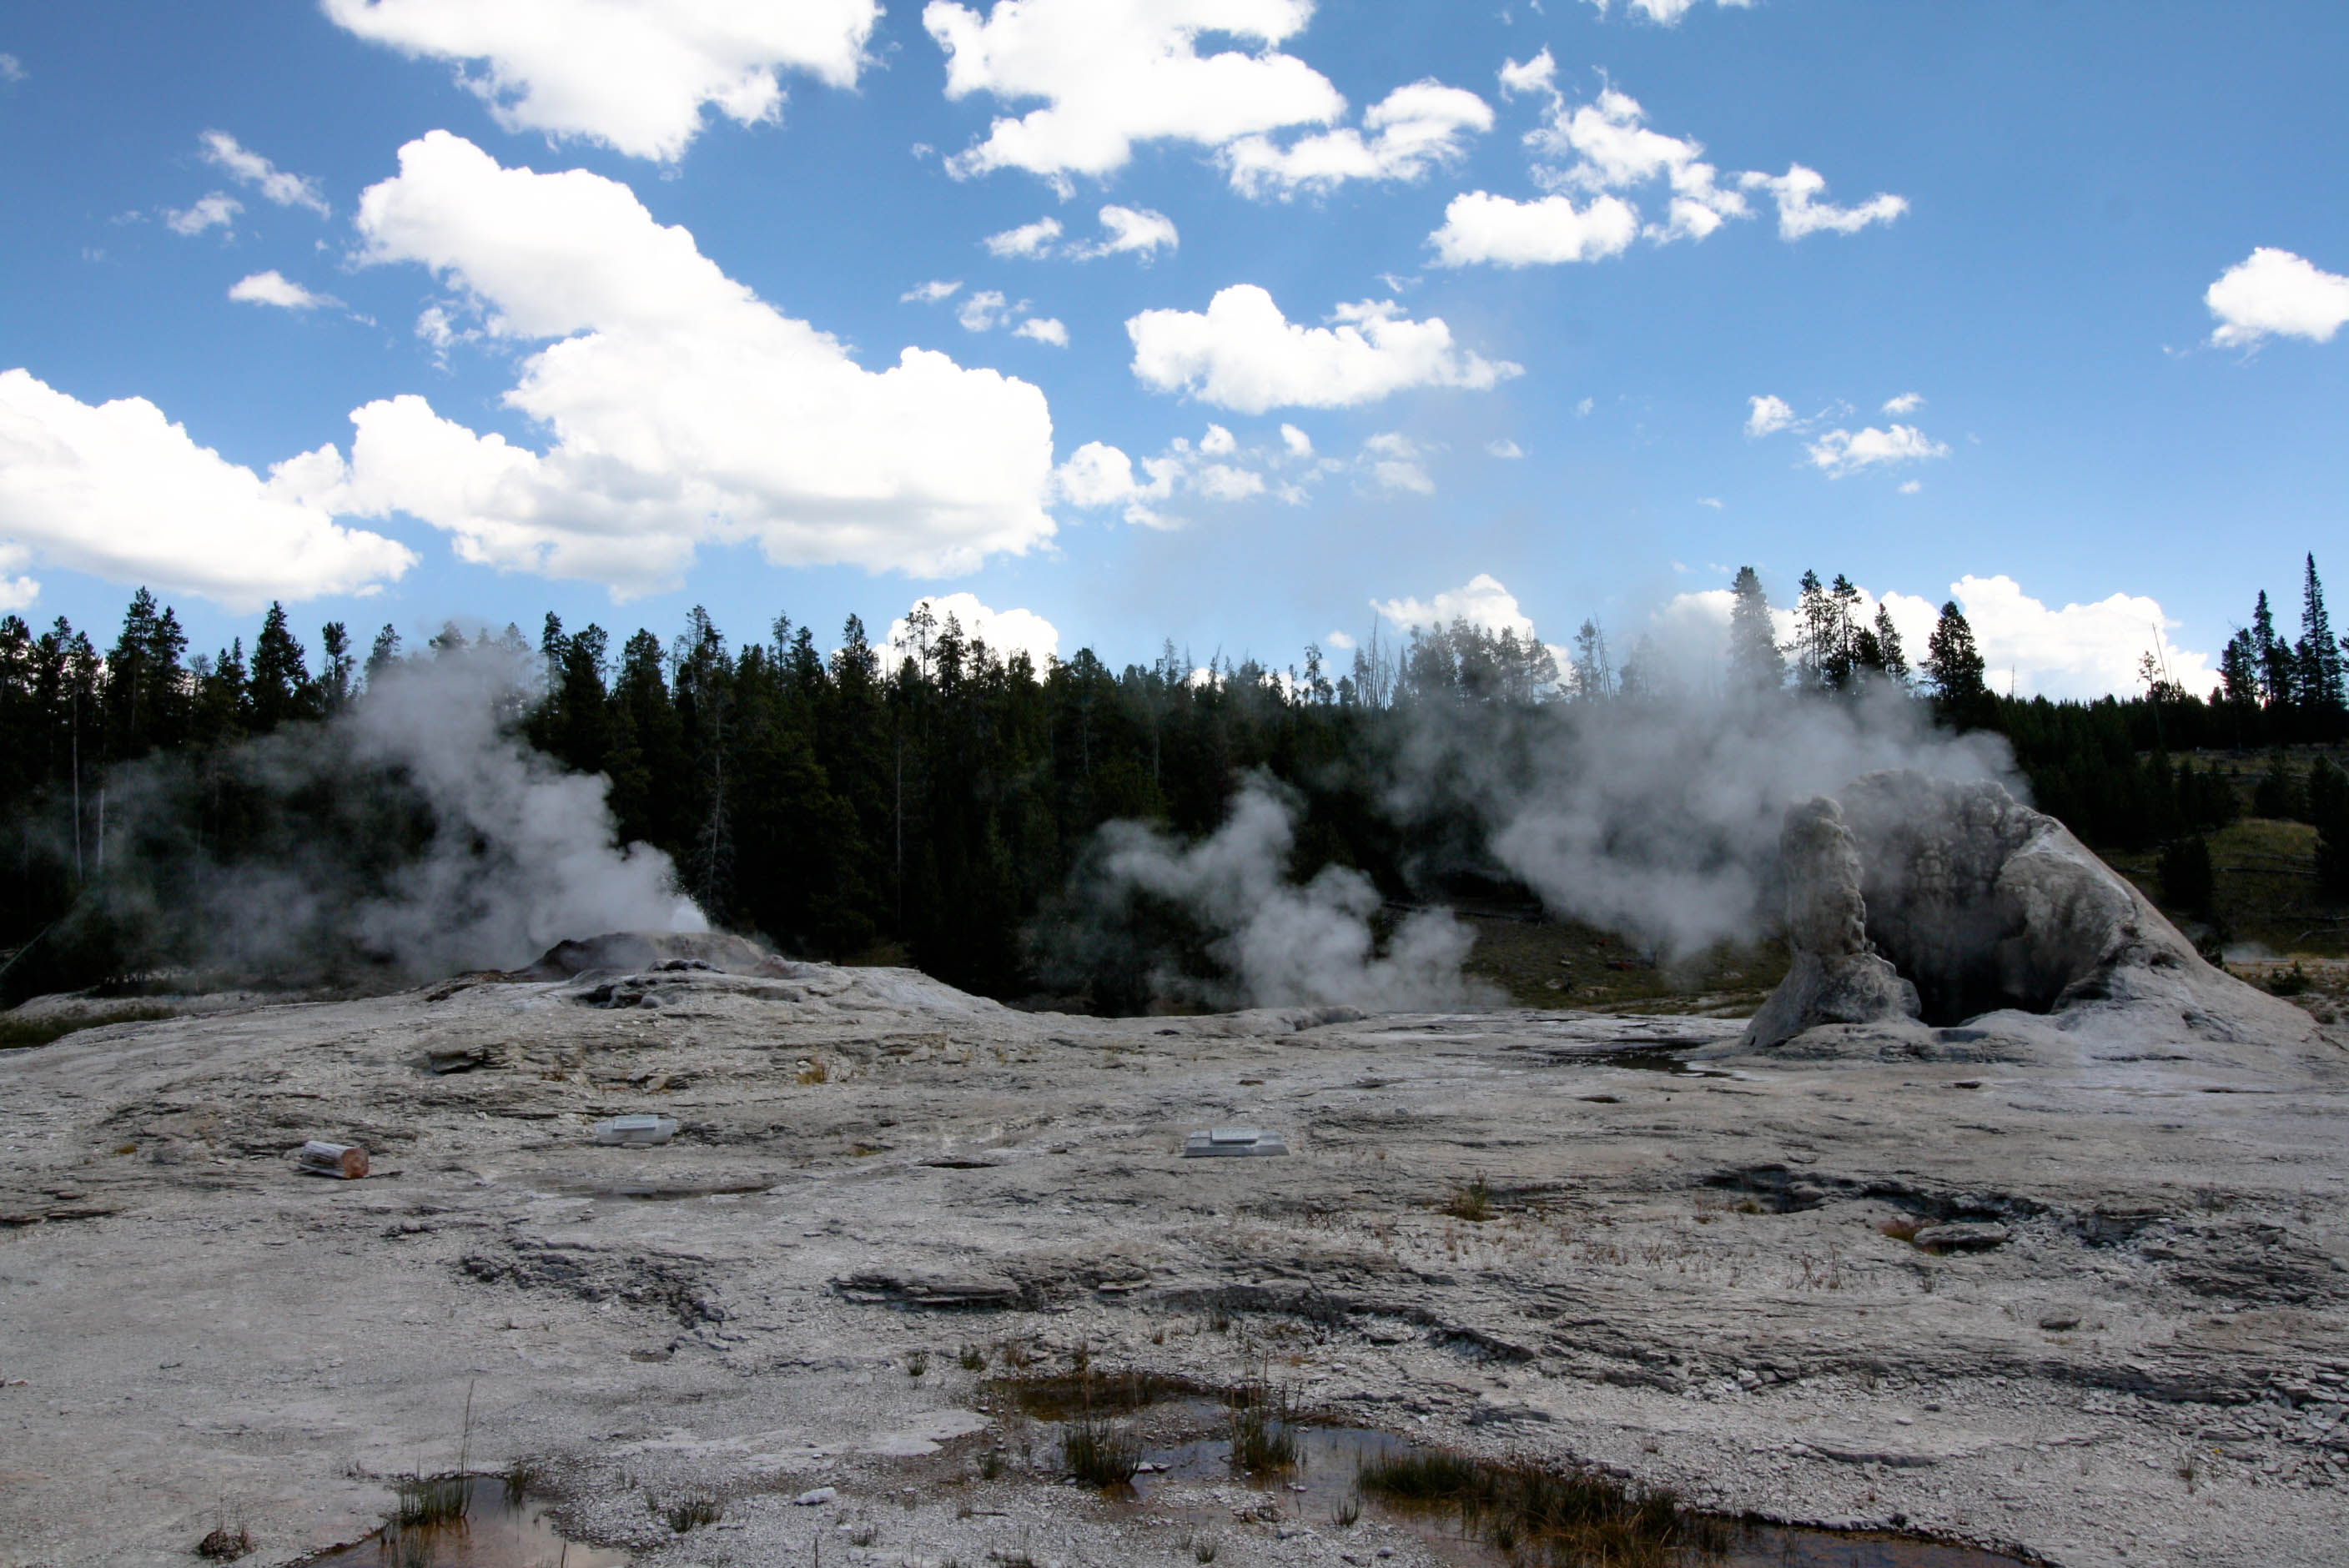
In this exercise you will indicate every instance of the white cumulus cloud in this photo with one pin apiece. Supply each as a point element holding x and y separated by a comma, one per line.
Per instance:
<point>1028,240</point>
<point>1609,146</point>
<point>2276,292</point>
<point>1215,468</point>
<point>680,407</point>
<point>1396,462</point>
<point>1483,601</point>
<point>1770,414</point>
<point>1243,354</point>
<point>1801,212</point>
<point>1005,631</point>
<point>1841,452</point>
<point>1605,150</point>
<point>1125,231</point>
<point>1906,403</point>
<point>1538,74</point>
<point>1034,239</point>
<point>119,492</point>
<point>1114,72</point>
<point>1135,230</point>
<point>1506,233</point>
<point>1423,126</point>
<point>1667,12</point>
<point>1504,448</point>
<point>12,70</point>
<point>287,190</point>
<point>983,311</point>
<point>631,74</point>
<point>273,287</point>
<point>2078,650</point>
<point>216,210</point>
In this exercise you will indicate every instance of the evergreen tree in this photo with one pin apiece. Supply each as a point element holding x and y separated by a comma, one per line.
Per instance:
<point>2316,658</point>
<point>1814,633</point>
<point>2276,671</point>
<point>2189,881</point>
<point>384,653</point>
<point>145,682</point>
<point>2328,807</point>
<point>2278,795</point>
<point>1839,657</point>
<point>1593,672</point>
<point>1755,659</point>
<point>336,682</point>
<point>2239,669</point>
<point>1953,668</point>
<point>1892,659</point>
<point>278,687</point>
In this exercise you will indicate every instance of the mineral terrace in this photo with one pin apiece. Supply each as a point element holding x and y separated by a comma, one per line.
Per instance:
<point>1702,1265</point>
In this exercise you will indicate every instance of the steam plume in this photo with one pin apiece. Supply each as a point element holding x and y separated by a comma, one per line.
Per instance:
<point>412,833</point>
<point>1270,941</point>
<point>1660,818</point>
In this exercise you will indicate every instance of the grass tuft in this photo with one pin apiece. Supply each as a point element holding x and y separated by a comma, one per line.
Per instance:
<point>225,1544</point>
<point>427,1502</point>
<point>1263,1429</point>
<point>1473,1202</point>
<point>1099,1451</point>
<point>1574,1518</point>
<point>690,1513</point>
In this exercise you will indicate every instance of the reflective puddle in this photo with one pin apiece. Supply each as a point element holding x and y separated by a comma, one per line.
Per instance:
<point>494,1529</point>
<point>1324,1489</point>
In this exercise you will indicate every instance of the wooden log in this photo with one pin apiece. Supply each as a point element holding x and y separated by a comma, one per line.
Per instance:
<point>345,1160</point>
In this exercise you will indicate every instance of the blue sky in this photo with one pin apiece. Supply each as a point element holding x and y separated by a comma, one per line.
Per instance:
<point>1934,296</point>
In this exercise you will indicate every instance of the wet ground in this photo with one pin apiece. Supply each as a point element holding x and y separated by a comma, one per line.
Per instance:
<point>1322,1487</point>
<point>499,1529</point>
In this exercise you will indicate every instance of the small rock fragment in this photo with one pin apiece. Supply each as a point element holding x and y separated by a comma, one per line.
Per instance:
<point>817,1497</point>
<point>1963,1236</point>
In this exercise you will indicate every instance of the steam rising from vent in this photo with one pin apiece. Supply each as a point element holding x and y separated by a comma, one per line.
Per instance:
<point>413,833</point>
<point>1660,818</point>
<point>1272,942</point>
<point>1655,816</point>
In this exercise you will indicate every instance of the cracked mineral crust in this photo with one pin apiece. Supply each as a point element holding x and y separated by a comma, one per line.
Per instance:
<point>2085,1301</point>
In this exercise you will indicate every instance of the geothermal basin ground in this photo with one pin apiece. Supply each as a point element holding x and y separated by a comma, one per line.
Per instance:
<point>1541,1235</point>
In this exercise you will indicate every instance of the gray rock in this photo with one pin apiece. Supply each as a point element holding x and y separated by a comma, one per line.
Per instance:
<point>817,1497</point>
<point>1963,1236</point>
